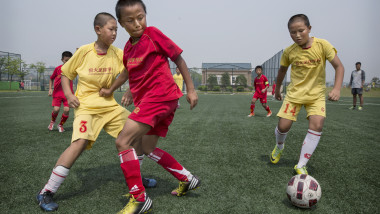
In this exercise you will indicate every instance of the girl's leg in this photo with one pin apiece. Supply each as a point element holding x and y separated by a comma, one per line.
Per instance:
<point>129,137</point>
<point>63,165</point>
<point>311,140</point>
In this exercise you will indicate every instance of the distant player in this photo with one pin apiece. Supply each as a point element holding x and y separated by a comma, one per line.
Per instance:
<point>155,96</point>
<point>261,85</point>
<point>97,65</point>
<point>178,79</point>
<point>307,57</point>
<point>58,95</point>
<point>357,83</point>
<point>273,88</point>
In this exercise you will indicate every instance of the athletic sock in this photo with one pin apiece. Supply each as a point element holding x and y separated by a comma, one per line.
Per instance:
<point>141,158</point>
<point>252,108</point>
<point>56,179</point>
<point>170,164</point>
<point>131,170</point>
<point>54,116</point>
<point>280,138</point>
<point>267,108</point>
<point>309,144</point>
<point>63,119</point>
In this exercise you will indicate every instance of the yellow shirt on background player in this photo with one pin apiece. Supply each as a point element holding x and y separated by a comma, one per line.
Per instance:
<point>308,76</point>
<point>94,72</point>
<point>178,79</point>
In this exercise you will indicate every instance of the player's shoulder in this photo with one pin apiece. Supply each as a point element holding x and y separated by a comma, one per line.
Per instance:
<point>84,49</point>
<point>290,48</point>
<point>322,42</point>
<point>115,50</point>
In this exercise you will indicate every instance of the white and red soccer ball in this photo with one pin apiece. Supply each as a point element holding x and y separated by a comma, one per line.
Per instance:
<point>303,191</point>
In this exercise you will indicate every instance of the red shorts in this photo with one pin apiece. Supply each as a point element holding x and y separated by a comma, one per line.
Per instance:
<point>262,97</point>
<point>157,115</point>
<point>58,100</point>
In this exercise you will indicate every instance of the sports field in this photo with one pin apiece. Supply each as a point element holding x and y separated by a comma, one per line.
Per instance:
<point>216,141</point>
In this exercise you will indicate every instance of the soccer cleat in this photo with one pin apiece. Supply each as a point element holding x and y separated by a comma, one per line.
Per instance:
<point>60,128</point>
<point>300,171</point>
<point>276,155</point>
<point>149,182</point>
<point>51,125</point>
<point>352,108</point>
<point>137,207</point>
<point>184,186</point>
<point>269,113</point>
<point>46,202</point>
<point>251,115</point>
<point>360,108</point>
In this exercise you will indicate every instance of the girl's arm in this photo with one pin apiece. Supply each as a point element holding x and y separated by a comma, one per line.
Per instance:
<point>280,77</point>
<point>123,77</point>
<point>71,98</point>
<point>192,96</point>
<point>334,94</point>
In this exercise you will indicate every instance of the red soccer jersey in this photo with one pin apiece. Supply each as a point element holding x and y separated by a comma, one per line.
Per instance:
<point>56,77</point>
<point>150,79</point>
<point>260,84</point>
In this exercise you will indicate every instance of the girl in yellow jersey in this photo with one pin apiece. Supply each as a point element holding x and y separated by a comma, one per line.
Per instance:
<point>307,57</point>
<point>96,65</point>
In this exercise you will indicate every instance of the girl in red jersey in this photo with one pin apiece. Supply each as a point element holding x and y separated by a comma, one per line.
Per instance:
<point>261,85</point>
<point>155,96</point>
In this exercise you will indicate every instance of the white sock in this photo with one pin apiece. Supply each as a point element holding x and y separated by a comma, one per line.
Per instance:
<point>56,179</point>
<point>141,158</point>
<point>280,138</point>
<point>309,144</point>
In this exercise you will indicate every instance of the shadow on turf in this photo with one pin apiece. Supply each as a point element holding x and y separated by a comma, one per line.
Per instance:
<point>93,178</point>
<point>288,204</point>
<point>282,162</point>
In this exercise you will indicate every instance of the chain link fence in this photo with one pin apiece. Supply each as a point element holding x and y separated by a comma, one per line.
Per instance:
<point>270,69</point>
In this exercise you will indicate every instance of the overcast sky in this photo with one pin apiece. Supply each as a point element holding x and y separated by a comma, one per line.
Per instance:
<point>211,31</point>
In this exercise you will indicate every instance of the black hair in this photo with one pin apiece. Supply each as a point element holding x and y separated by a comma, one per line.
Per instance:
<point>127,3</point>
<point>358,63</point>
<point>303,17</point>
<point>259,66</point>
<point>66,54</point>
<point>102,18</point>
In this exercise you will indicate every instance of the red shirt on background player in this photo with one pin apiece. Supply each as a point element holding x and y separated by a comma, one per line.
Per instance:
<point>58,95</point>
<point>261,85</point>
<point>273,87</point>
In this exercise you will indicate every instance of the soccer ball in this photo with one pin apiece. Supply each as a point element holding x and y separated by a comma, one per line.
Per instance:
<point>303,191</point>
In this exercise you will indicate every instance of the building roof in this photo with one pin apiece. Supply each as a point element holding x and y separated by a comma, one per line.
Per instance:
<point>229,66</point>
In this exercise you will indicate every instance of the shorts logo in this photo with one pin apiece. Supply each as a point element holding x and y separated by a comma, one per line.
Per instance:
<point>136,111</point>
<point>323,109</point>
<point>83,127</point>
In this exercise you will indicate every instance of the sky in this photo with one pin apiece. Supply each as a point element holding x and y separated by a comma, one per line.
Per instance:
<point>209,31</point>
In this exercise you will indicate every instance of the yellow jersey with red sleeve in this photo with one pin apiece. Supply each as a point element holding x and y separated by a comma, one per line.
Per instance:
<point>94,71</point>
<point>308,75</point>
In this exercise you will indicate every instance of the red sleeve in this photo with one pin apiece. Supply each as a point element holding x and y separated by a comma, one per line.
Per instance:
<point>164,45</point>
<point>54,75</point>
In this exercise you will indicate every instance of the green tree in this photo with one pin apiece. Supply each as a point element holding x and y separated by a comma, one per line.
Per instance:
<point>241,80</point>
<point>24,70</point>
<point>3,62</point>
<point>212,81</point>
<point>375,79</point>
<point>13,68</point>
<point>40,68</point>
<point>226,80</point>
